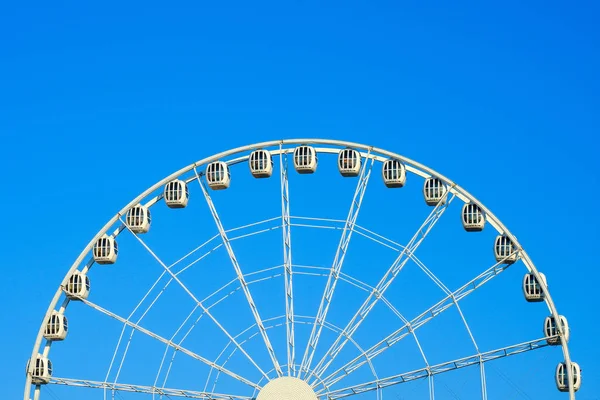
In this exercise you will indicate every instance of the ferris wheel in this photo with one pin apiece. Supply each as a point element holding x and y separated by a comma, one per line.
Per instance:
<point>212,303</point>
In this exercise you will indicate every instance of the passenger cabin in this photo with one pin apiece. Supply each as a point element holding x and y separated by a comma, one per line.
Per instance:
<point>138,219</point>
<point>305,159</point>
<point>41,371</point>
<point>218,175</point>
<point>106,250</point>
<point>434,191</point>
<point>562,377</point>
<point>551,330</point>
<point>349,162</point>
<point>176,194</point>
<point>504,250</point>
<point>261,163</point>
<point>56,327</point>
<point>394,173</point>
<point>532,289</point>
<point>473,219</point>
<point>78,286</point>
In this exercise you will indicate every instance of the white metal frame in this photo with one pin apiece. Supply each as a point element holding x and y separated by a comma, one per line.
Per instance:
<point>241,154</point>
<point>240,276</point>
<point>383,285</point>
<point>477,359</point>
<point>287,261</point>
<point>256,277</point>
<point>336,267</point>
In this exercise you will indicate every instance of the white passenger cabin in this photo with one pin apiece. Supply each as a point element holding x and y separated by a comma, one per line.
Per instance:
<point>218,175</point>
<point>138,219</point>
<point>394,173</point>
<point>473,219</point>
<point>504,250</point>
<point>106,250</point>
<point>41,370</point>
<point>78,286</point>
<point>551,330</point>
<point>176,194</point>
<point>349,162</point>
<point>305,159</point>
<point>562,377</point>
<point>56,327</point>
<point>261,163</point>
<point>434,191</point>
<point>532,289</point>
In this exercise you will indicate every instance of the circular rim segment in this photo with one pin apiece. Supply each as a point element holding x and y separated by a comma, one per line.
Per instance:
<point>335,145</point>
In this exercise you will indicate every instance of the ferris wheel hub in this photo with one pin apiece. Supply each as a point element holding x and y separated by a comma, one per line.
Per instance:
<point>287,388</point>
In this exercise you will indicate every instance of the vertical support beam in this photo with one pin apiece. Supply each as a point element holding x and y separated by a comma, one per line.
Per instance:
<point>287,261</point>
<point>240,275</point>
<point>338,261</point>
<point>431,388</point>
<point>483,380</point>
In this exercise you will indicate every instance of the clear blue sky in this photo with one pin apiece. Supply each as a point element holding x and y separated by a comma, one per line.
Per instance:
<point>98,102</point>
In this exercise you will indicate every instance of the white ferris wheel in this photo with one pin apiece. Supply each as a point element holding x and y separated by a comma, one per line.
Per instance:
<point>288,286</point>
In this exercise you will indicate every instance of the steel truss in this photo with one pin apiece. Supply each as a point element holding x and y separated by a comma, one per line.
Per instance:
<point>198,302</point>
<point>171,279</point>
<point>436,369</point>
<point>154,194</point>
<point>240,275</point>
<point>276,322</point>
<point>123,387</point>
<point>171,344</point>
<point>258,276</point>
<point>287,262</point>
<point>338,261</point>
<point>422,319</point>
<point>384,284</point>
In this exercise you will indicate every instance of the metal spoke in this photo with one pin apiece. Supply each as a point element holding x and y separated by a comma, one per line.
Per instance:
<point>160,293</point>
<point>253,276</point>
<point>436,369</point>
<point>416,323</point>
<point>431,387</point>
<point>483,381</point>
<point>164,357</point>
<point>124,387</point>
<point>367,288</point>
<point>240,275</point>
<point>239,155</point>
<point>169,343</point>
<point>219,245</point>
<point>287,261</point>
<point>118,345</point>
<point>139,320</point>
<point>206,299</point>
<point>444,288</point>
<point>198,302</point>
<point>338,261</point>
<point>384,283</point>
<point>274,322</point>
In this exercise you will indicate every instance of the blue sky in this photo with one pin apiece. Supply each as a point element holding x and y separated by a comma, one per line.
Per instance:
<point>100,101</point>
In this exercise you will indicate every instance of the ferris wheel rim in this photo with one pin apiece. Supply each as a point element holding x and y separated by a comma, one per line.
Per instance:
<point>338,144</point>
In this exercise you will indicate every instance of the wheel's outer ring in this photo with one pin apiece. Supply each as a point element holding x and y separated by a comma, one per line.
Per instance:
<point>413,166</point>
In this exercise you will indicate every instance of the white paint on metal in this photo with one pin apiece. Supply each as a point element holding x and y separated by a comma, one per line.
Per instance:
<point>377,154</point>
